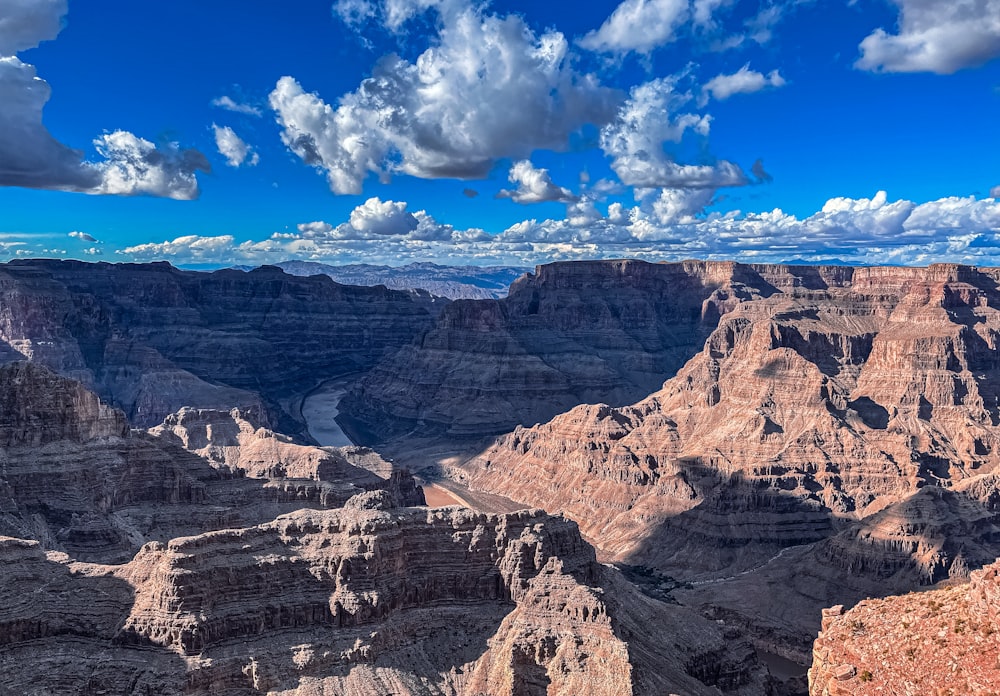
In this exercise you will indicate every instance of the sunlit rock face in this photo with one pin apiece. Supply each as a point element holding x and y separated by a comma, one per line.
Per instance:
<point>945,641</point>
<point>851,410</point>
<point>570,333</point>
<point>151,339</point>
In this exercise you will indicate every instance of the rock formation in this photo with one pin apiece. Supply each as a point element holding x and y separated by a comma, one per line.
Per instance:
<point>74,476</point>
<point>941,642</point>
<point>853,410</point>
<point>151,339</point>
<point>452,282</point>
<point>197,559</point>
<point>571,333</point>
<point>359,600</point>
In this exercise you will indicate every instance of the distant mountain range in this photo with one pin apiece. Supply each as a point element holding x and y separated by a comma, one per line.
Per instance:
<point>453,282</point>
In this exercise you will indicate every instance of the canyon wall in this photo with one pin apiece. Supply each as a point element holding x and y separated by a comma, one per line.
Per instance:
<point>151,339</point>
<point>854,413</point>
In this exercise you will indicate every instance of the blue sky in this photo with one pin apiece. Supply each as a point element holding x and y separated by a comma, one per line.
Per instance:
<point>519,132</point>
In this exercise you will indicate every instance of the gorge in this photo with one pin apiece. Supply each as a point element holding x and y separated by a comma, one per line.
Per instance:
<point>675,469</point>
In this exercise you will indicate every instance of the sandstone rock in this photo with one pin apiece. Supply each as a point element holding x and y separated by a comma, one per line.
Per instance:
<point>850,413</point>
<point>73,476</point>
<point>570,333</point>
<point>943,641</point>
<point>408,601</point>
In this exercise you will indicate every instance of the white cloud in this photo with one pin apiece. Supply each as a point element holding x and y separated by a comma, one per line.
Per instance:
<point>995,192</point>
<point>639,25</point>
<point>704,11</point>
<point>935,36</point>
<point>743,81</point>
<point>381,218</point>
<point>82,236</point>
<point>667,225</point>
<point>353,12</point>
<point>189,246</point>
<point>31,157</point>
<point>534,185</point>
<point>133,166</point>
<point>488,88</point>
<point>26,23</point>
<point>680,206</point>
<point>635,141</point>
<point>233,148</point>
<point>230,104</point>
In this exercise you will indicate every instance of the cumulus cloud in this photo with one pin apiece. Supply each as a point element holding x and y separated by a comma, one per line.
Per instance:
<point>641,26</point>
<point>134,166</point>
<point>666,225</point>
<point>489,88</point>
<point>650,117</point>
<point>233,148</point>
<point>995,192</point>
<point>31,157</point>
<point>82,236</point>
<point>379,217</point>
<point>230,104</point>
<point>534,185</point>
<point>934,36</point>
<point>743,81</point>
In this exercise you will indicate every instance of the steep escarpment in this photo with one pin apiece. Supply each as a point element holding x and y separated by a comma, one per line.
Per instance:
<point>151,339</point>
<point>856,417</point>
<point>360,600</point>
<point>945,641</point>
<point>73,475</point>
<point>570,333</point>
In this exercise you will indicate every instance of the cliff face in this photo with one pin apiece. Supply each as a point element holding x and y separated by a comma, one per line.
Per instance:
<point>944,641</point>
<point>854,412</point>
<point>359,600</point>
<point>197,559</point>
<point>74,476</point>
<point>571,333</point>
<point>151,339</point>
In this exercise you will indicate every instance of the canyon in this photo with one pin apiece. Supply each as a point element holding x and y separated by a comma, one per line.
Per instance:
<point>676,470</point>
<point>212,556</point>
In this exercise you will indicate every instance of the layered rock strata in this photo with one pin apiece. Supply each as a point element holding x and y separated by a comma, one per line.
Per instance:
<point>358,600</point>
<point>853,412</point>
<point>570,333</point>
<point>73,475</point>
<point>941,642</point>
<point>151,339</point>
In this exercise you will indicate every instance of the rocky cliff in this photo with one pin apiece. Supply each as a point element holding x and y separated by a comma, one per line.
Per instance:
<point>151,339</point>
<point>74,476</point>
<point>360,600</point>
<point>851,410</point>
<point>201,558</point>
<point>571,333</point>
<point>941,642</point>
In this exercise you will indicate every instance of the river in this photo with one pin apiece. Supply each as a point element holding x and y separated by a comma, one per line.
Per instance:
<point>320,408</point>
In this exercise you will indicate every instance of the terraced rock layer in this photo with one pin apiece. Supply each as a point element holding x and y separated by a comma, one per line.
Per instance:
<point>571,333</point>
<point>151,339</point>
<point>74,476</point>
<point>851,412</point>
